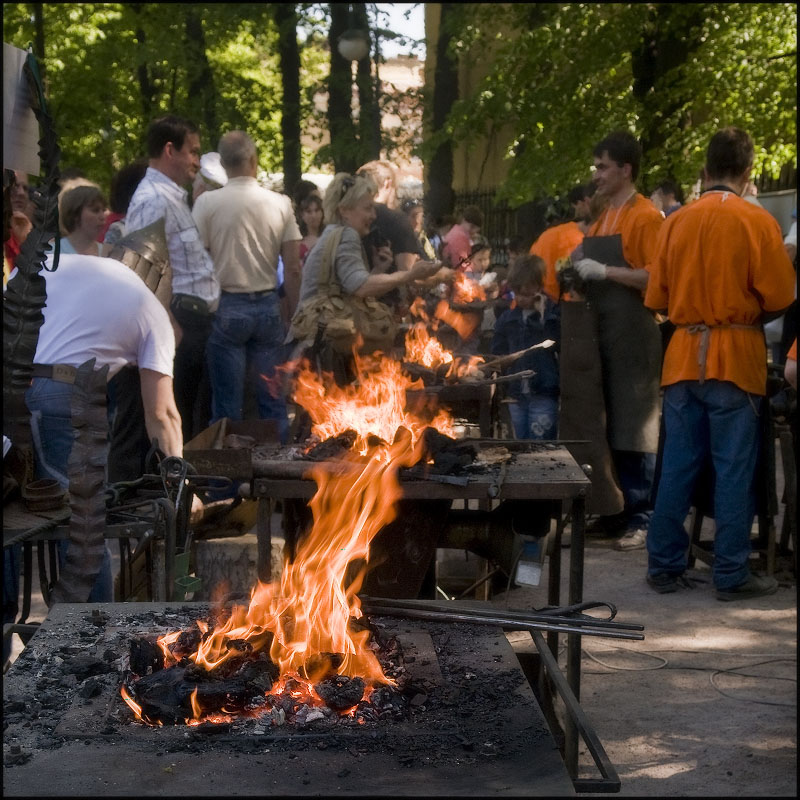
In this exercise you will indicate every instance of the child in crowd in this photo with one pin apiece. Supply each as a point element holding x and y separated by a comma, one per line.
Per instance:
<point>532,319</point>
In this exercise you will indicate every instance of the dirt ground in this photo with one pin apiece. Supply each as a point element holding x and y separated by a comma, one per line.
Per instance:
<point>705,705</point>
<point>672,720</point>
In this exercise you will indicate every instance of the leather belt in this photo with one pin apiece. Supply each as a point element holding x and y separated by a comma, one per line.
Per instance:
<point>63,373</point>
<point>250,295</point>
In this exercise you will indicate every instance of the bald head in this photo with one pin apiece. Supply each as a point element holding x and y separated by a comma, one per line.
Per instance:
<point>237,152</point>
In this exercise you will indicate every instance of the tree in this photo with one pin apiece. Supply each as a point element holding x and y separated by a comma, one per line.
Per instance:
<point>112,67</point>
<point>287,20</point>
<point>563,75</point>
<point>440,198</point>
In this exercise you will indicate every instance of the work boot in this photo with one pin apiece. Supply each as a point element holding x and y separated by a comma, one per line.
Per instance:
<point>754,586</point>
<point>663,583</point>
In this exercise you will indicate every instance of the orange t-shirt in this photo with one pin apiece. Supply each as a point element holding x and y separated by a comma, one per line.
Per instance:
<point>556,242</point>
<point>792,351</point>
<point>638,221</point>
<point>720,261</point>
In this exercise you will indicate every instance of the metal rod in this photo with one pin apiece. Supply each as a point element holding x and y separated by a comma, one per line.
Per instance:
<point>504,622</point>
<point>551,616</point>
<point>610,781</point>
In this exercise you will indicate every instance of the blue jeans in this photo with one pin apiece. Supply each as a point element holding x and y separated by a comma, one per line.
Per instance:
<point>719,419</point>
<point>53,436</point>
<point>635,472</point>
<point>246,328</point>
<point>534,416</point>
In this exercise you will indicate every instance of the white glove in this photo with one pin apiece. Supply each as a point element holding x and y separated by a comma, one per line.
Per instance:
<point>591,270</point>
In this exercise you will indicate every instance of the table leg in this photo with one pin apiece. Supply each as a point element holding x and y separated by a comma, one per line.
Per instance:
<point>574,642</point>
<point>264,539</point>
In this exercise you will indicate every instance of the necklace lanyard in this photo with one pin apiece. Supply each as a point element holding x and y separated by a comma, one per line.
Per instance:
<point>605,229</point>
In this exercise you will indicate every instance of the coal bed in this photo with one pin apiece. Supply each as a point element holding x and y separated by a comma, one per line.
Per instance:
<point>465,724</point>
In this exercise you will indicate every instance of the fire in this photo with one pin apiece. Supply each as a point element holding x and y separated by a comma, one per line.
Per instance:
<point>466,289</point>
<point>422,348</point>
<point>463,324</point>
<point>305,619</point>
<point>374,406</point>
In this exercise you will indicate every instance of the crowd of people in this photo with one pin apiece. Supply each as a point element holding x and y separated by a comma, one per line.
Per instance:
<point>677,293</point>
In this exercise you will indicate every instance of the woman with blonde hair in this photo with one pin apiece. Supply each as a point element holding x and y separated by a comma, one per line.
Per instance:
<point>338,264</point>
<point>349,205</point>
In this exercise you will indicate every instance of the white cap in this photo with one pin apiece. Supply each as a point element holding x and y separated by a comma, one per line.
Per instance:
<point>212,170</point>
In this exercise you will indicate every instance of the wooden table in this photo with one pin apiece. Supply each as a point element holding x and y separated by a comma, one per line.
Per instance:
<point>538,471</point>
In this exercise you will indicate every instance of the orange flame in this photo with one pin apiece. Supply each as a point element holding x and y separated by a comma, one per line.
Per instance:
<point>463,324</point>
<point>423,348</point>
<point>305,617</point>
<point>466,289</point>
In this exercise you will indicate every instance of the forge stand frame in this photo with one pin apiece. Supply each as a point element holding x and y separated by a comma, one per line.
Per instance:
<point>537,473</point>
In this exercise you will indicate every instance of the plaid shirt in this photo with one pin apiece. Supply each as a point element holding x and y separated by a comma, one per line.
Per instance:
<point>192,268</point>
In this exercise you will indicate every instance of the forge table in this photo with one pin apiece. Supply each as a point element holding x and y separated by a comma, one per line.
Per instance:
<point>478,732</point>
<point>538,471</point>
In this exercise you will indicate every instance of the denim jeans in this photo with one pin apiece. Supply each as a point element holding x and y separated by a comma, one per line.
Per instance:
<point>246,328</point>
<point>719,419</point>
<point>635,472</point>
<point>53,436</point>
<point>534,416</point>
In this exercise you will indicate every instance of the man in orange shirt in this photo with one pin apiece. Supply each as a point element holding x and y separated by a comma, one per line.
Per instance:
<point>720,272</point>
<point>559,241</point>
<point>617,248</point>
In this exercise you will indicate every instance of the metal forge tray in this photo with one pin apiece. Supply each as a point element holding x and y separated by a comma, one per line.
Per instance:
<point>479,732</point>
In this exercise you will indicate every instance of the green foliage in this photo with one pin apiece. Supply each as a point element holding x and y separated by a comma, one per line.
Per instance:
<point>111,67</point>
<point>557,77</point>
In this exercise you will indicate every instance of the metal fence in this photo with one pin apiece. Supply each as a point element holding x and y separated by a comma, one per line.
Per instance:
<point>787,179</point>
<point>499,221</point>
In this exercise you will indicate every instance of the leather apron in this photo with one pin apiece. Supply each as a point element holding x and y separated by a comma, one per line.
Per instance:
<point>630,353</point>
<point>582,416</point>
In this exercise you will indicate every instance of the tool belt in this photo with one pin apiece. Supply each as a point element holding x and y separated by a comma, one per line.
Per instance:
<point>704,331</point>
<point>63,373</point>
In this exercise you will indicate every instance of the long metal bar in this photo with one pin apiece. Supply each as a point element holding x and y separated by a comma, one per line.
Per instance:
<point>375,605</point>
<point>610,781</point>
<point>504,622</point>
<point>576,561</point>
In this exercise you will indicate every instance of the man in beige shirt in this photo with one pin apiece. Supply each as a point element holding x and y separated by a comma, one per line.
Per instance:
<point>246,228</point>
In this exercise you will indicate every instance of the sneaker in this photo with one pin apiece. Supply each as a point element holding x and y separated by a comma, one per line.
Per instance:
<point>754,586</point>
<point>632,540</point>
<point>663,583</point>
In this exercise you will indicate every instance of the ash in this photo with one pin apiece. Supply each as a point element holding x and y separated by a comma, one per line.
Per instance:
<point>458,696</point>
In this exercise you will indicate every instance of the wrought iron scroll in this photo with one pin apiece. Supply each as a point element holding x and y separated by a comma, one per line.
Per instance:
<point>25,293</point>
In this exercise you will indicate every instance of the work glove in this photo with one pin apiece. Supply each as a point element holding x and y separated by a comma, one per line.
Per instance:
<point>591,270</point>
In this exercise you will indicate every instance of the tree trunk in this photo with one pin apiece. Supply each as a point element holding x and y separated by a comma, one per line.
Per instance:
<point>286,20</point>
<point>202,88</point>
<point>668,40</point>
<point>38,40</point>
<point>440,198</point>
<point>367,113</point>
<point>146,89</point>
<point>344,142</point>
